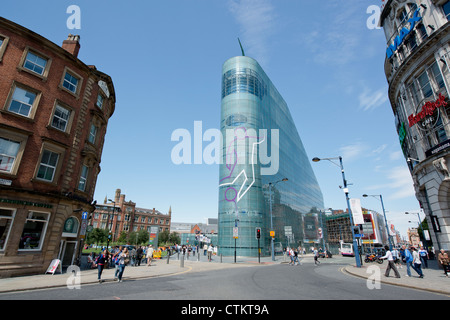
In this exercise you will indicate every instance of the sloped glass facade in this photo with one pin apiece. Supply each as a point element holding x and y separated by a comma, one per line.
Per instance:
<point>261,146</point>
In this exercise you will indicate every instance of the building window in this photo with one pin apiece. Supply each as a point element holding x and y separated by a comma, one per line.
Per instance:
<point>425,85</point>
<point>61,118</point>
<point>22,101</point>
<point>92,134</point>
<point>48,165</point>
<point>9,150</point>
<point>438,79</point>
<point>100,100</point>
<point>70,82</point>
<point>83,178</point>
<point>446,8</point>
<point>3,44</point>
<point>33,233</point>
<point>35,63</point>
<point>6,220</point>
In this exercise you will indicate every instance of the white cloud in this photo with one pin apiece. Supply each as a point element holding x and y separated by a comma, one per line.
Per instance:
<point>353,151</point>
<point>370,100</point>
<point>399,184</point>
<point>257,21</point>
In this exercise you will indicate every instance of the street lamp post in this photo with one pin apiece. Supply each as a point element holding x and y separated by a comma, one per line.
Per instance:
<point>107,223</point>
<point>271,215</point>
<point>355,245</point>
<point>384,213</point>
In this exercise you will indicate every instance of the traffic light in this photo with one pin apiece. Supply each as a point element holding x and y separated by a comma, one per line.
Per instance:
<point>258,233</point>
<point>356,230</point>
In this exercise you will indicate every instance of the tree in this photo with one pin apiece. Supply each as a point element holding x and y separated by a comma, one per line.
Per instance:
<point>96,236</point>
<point>139,237</point>
<point>123,237</point>
<point>174,238</point>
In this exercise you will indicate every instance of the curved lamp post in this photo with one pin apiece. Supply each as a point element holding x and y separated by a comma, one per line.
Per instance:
<point>355,245</point>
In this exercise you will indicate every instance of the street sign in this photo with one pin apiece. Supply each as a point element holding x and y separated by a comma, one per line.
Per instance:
<point>235,232</point>
<point>288,230</point>
<point>83,228</point>
<point>84,215</point>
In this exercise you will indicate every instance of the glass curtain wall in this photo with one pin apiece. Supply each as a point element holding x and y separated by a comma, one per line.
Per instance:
<point>262,147</point>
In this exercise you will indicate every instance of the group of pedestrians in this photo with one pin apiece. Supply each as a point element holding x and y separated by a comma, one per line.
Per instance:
<point>120,257</point>
<point>413,259</point>
<point>293,254</point>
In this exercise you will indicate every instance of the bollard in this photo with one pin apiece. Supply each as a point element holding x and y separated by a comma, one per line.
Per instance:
<point>198,256</point>
<point>182,262</point>
<point>178,253</point>
<point>220,258</point>
<point>168,257</point>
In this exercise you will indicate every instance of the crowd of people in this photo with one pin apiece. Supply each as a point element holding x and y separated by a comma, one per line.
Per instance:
<point>121,256</point>
<point>413,258</point>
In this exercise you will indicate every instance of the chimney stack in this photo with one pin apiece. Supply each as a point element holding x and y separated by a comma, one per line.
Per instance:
<point>72,44</point>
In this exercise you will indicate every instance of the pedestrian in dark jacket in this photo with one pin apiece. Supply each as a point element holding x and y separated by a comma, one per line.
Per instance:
<point>139,254</point>
<point>101,261</point>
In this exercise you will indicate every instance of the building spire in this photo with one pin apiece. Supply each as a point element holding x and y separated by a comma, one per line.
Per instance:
<point>242,49</point>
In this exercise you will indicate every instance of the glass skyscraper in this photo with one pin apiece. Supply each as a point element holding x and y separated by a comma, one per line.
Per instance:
<point>261,147</point>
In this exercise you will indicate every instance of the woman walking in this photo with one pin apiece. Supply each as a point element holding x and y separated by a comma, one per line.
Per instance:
<point>123,256</point>
<point>101,261</point>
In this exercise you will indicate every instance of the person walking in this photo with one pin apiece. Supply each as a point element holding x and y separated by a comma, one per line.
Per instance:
<point>139,253</point>
<point>115,259</point>
<point>424,257</point>
<point>391,263</point>
<point>296,257</point>
<point>210,251</point>
<point>316,257</point>
<point>291,256</point>
<point>396,257</point>
<point>101,261</point>
<point>407,259</point>
<point>444,261</point>
<point>149,255</point>
<point>123,256</point>
<point>416,263</point>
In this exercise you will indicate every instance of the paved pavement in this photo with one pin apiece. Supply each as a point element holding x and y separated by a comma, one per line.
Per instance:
<point>434,279</point>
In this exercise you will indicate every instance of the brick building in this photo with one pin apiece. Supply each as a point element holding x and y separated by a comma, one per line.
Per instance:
<point>54,110</point>
<point>120,215</point>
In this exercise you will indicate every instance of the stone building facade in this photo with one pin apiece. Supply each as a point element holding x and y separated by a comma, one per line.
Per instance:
<point>54,111</point>
<point>120,215</point>
<point>417,70</point>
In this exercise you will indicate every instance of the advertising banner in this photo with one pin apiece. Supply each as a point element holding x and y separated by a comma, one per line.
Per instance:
<point>355,206</point>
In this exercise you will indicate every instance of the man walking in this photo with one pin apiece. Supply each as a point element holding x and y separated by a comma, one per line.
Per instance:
<point>391,263</point>
<point>149,255</point>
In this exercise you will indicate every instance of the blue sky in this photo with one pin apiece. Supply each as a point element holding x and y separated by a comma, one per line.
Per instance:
<point>165,58</point>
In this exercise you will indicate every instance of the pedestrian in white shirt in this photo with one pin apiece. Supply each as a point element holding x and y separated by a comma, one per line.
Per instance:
<point>391,263</point>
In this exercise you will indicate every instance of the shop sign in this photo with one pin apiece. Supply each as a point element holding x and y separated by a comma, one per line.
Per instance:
<point>403,33</point>
<point>436,149</point>
<point>26,203</point>
<point>425,117</point>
